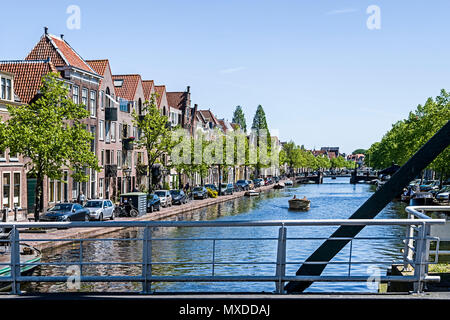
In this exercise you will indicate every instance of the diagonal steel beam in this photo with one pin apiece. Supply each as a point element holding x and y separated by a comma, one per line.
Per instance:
<point>419,161</point>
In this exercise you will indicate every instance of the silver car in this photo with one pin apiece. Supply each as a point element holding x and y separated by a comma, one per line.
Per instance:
<point>100,209</point>
<point>165,197</point>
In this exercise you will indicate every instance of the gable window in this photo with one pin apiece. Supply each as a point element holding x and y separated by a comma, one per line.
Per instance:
<point>93,103</point>
<point>3,88</point>
<point>76,94</point>
<point>8,89</point>
<point>84,97</point>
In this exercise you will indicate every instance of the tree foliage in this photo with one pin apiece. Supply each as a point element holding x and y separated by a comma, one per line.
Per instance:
<point>239,118</point>
<point>408,135</point>
<point>50,134</point>
<point>155,133</point>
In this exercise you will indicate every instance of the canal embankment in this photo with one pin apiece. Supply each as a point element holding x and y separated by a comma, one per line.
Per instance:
<point>37,238</point>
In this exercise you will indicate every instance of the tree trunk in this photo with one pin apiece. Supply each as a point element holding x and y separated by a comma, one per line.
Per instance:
<point>220,178</point>
<point>37,199</point>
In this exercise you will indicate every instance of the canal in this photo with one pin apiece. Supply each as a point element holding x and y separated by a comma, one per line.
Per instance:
<point>334,199</point>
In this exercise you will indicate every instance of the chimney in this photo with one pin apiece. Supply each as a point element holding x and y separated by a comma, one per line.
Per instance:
<point>45,30</point>
<point>62,36</point>
<point>188,89</point>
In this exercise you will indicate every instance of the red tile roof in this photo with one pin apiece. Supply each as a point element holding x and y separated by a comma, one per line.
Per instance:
<point>59,52</point>
<point>209,116</point>
<point>148,85</point>
<point>100,66</point>
<point>176,99</point>
<point>129,86</point>
<point>28,76</point>
<point>160,90</point>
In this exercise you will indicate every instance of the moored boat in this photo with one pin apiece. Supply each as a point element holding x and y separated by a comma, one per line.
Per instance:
<point>288,183</point>
<point>28,254</point>
<point>278,186</point>
<point>299,204</point>
<point>251,193</point>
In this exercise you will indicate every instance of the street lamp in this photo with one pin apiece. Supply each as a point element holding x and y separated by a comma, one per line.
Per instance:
<point>127,173</point>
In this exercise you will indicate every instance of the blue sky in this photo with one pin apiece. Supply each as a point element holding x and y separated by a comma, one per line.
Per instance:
<point>323,78</point>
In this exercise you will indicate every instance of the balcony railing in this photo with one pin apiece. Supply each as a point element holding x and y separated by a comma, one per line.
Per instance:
<point>127,143</point>
<point>111,114</point>
<point>111,170</point>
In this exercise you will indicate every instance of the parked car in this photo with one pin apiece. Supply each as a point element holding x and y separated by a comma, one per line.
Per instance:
<point>226,188</point>
<point>100,209</point>
<point>178,196</point>
<point>268,181</point>
<point>276,179</point>
<point>200,193</point>
<point>212,187</point>
<point>258,182</point>
<point>251,185</point>
<point>164,197</point>
<point>153,203</point>
<point>429,185</point>
<point>443,194</point>
<point>65,212</point>
<point>243,184</point>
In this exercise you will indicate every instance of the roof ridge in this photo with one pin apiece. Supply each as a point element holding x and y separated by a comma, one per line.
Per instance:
<point>26,61</point>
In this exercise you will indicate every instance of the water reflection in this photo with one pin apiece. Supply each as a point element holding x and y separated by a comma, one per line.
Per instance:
<point>335,199</point>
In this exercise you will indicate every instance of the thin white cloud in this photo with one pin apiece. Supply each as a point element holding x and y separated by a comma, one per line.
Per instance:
<point>232,70</point>
<point>341,11</point>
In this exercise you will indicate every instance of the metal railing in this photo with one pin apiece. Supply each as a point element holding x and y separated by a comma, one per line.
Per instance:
<point>416,253</point>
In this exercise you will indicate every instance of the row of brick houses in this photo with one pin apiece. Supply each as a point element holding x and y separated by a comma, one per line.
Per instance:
<point>110,99</point>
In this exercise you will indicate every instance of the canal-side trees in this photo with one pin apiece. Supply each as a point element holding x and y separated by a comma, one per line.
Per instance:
<point>50,134</point>
<point>408,135</point>
<point>260,138</point>
<point>155,134</point>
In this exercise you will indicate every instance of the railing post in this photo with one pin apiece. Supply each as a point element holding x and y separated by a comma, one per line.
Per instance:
<point>81,258</point>
<point>409,242</point>
<point>421,258</point>
<point>281,260</point>
<point>15,260</point>
<point>147,260</point>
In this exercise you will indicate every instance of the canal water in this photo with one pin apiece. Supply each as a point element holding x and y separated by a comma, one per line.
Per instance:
<point>334,199</point>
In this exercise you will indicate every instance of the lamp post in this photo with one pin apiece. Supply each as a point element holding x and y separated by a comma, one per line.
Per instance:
<point>127,173</point>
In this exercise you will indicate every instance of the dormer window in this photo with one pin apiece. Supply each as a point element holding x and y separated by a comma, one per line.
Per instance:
<point>6,89</point>
<point>118,83</point>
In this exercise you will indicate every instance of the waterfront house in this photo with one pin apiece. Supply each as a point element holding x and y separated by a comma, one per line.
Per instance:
<point>130,94</point>
<point>109,148</point>
<point>83,83</point>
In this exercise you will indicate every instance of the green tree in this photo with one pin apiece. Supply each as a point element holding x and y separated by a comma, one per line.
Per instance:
<point>50,134</point>
<point>408,135</point>
<point>239,118</point>
<point>155,134</point>
<point>259,129</point>
<point>358,151</point>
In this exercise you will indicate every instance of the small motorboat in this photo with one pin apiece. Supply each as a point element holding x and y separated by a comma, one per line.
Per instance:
<point>251,193</point>
<point>278,186</point>
<point>288,183</point>
<point>28,254</point>
<point>299,204</point>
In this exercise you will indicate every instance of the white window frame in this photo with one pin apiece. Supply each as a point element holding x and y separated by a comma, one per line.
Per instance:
<point>101,130</point>
<point>113,131</point>
<point>93,103</point>
<point>76,97</point>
